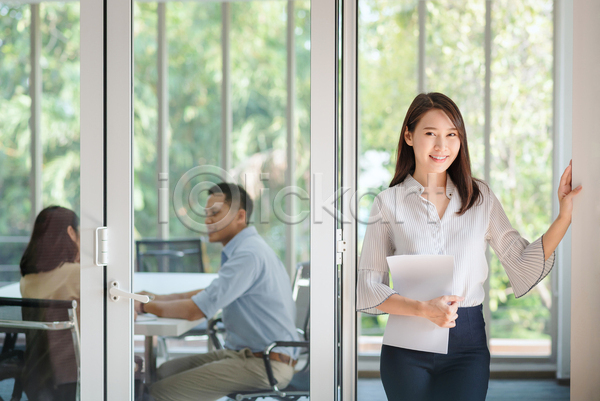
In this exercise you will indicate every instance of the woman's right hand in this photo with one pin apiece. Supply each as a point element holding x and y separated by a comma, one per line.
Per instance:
<point>442,310</point>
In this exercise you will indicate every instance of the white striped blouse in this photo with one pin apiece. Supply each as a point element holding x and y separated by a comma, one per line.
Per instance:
<point>403,222</point>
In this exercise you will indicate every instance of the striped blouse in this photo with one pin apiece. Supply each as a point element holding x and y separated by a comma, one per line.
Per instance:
<point>403,222</point>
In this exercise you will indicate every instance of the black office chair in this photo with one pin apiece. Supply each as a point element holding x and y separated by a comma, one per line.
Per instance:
<point>174,256</point>
<point>299,386</point>
<point>12,361</point>
<point>50,369</point>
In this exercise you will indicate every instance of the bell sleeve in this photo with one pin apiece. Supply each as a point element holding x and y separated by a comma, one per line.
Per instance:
<point>373,278</point>
<point>523,262</point>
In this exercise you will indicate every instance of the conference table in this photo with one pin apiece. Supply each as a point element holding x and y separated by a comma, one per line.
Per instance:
<point>165,283</point>
<point>148,325</point>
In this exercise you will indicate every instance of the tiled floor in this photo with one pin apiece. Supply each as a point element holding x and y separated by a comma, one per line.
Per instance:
<point>499,390</point>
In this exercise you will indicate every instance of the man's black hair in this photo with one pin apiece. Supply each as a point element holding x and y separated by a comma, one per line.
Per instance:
<point>245,201</point>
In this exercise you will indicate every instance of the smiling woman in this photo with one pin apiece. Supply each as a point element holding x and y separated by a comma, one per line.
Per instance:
<point>437,139</point>
<point>474,217</point>
<point>455,47</point>
<point>434,126</point>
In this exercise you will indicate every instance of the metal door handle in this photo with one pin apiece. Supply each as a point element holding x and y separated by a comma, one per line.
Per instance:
<point>116,294</point>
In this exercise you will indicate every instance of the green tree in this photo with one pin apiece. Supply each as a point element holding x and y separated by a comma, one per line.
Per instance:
<point>258,68</point>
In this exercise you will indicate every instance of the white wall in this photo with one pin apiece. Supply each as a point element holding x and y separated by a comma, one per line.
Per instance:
<point>585,261</point>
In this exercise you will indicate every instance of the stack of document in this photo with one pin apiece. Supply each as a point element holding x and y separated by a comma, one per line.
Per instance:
<point>422,278</point>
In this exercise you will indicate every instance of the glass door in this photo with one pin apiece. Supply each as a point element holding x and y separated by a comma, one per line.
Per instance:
<point>44,236</point>
<point>106,200</point>
<point>199,93</point>
<point>393,50</point>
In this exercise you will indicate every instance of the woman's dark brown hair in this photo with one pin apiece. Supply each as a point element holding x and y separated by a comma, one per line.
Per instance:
<point>460,169</point>
<point>50,245</point>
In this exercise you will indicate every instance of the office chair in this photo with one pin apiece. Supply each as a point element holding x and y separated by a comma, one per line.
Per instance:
<point>50,369</point>
<point>173,256</point>
<point>12,361</point>
<point>299,386</point>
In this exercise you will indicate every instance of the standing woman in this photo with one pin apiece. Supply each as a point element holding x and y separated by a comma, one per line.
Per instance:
<point>435,207</point>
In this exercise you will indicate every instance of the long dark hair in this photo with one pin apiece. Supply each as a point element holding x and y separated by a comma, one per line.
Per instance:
<point>50,245</point>
<point>460,169</point>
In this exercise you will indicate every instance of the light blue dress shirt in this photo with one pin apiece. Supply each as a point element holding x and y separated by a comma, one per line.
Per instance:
<point>254,291</point>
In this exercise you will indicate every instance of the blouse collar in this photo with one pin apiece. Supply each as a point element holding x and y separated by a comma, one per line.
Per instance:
<point>413,186</point>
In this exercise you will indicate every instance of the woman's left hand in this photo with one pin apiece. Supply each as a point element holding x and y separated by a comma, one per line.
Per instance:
<point>566,194</point>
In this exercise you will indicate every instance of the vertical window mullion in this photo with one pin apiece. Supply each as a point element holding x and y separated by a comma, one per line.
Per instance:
<point>290,202</point>
<point>35,92</point>
<point>226,115</point>
<point>422,38</point>
<point>163,140</point>
<point>487,131</point>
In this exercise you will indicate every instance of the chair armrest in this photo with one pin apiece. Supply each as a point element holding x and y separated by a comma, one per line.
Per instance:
<point>297,344</point>
<point>38,303</point>
<point>267,360</point>
<point>211,328</point>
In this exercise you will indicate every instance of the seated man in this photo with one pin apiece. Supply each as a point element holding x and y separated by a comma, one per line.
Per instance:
<point>253,290</point>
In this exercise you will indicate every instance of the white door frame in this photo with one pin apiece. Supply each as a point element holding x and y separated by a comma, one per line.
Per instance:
<point>106,197</point>
<point>119,198</point>
<point>106,129</point>
<point>349,171</point>
<point>585,259</point>
<point>92,198</point>
<point>323,168</point>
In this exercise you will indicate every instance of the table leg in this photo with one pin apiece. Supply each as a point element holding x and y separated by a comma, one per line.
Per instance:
<point>150,357</point>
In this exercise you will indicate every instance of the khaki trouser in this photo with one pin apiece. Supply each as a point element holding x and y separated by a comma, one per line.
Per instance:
<point>210,376</point>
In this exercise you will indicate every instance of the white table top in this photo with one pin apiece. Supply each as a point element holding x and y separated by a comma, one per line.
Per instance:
<point>158,283</point>
<point>169,283</point>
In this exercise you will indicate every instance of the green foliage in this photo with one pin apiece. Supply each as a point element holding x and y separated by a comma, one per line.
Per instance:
<point>455,65</point>
<point>522,88</point>
<point>258,53</point>
<point>60,104</point>
<point>59,132</point>
<point>387,72</point>
<point>521,83</point>
<point>258,97</point>
<point>60,111</point>
<point>15,202</point>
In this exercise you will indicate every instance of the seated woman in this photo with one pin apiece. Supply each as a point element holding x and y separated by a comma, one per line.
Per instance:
<point>50,270</point>
<point>50,264</point>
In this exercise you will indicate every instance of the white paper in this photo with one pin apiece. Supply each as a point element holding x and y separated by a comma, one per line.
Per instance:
<point>419,277</point>
<point>145,317</point>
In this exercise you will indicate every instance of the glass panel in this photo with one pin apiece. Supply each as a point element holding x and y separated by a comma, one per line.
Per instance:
<point>522,88</point>
<point>175,252</point>
<point>387,83</point>
<point>39,260</point>
<point>15,163</point>
<point>455,65</point>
